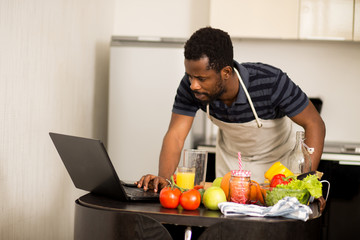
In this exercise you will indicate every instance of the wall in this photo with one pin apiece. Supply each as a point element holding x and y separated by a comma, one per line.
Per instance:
<point>53,77</point>
<point>326,69</point>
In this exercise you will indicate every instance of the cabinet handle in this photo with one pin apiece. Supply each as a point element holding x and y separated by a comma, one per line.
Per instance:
<point>349,163</point>
<point>325,38</point>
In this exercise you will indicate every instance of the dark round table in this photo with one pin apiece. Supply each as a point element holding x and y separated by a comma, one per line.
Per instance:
<point>98,217</point>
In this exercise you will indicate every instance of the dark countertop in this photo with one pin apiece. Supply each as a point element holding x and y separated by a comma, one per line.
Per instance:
<point>199,217</point>
<point>99,217</point>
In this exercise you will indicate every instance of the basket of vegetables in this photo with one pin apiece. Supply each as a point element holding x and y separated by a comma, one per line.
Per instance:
<point>301,188</point>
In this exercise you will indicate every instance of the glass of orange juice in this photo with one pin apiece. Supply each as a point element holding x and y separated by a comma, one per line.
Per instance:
<point>185,177</point>
<point>192,168</point>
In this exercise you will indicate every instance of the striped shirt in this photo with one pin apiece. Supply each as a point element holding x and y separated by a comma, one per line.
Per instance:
<point>272,92</point>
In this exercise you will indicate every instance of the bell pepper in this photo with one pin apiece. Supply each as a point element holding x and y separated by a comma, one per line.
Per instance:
<point>277,168</point>
<point>280,179</point>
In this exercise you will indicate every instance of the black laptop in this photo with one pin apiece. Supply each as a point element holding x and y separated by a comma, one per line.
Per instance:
<point>90,169</point>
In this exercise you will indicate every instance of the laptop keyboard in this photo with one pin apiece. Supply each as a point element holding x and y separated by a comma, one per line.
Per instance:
<point>137,192</point>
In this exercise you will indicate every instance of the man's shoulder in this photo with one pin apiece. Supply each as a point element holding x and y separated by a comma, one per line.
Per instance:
<point>259,67</point>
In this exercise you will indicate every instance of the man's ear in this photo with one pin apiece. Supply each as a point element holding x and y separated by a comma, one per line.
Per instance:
<point>226,72</point>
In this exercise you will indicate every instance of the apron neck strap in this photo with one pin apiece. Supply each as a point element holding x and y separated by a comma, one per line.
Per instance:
<point>208,111</point>
<point>249,99</point>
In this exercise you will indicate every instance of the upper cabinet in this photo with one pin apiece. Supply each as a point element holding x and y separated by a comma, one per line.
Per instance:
<point>256,18</point>
<point>326,19</point>
<point>357,20</point>
<point>288,19</point>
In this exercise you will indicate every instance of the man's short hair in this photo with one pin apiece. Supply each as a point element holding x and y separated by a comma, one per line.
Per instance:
<point>212,43</point>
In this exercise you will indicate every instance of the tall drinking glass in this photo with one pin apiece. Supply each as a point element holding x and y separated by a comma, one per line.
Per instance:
<point>192,168</point>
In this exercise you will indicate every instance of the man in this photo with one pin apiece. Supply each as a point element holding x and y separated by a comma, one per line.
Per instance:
<point>251,103</point>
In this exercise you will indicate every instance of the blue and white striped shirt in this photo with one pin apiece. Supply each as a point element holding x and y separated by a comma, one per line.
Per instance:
<point>272,92</point>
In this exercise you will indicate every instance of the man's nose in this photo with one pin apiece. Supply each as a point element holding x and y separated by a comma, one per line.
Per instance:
<point>194,84</point>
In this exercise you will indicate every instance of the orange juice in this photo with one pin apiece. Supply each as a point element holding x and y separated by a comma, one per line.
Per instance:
<point>185,179</point>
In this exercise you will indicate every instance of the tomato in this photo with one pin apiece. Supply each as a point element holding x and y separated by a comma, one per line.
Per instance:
<point>190,199</point>
<point>169,197</point>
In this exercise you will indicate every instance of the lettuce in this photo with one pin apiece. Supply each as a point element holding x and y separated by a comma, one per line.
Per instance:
<point>277,193</point>
<point>313,185</point>
<point>301,189</point>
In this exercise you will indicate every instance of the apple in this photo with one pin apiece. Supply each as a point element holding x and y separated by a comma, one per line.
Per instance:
<point>213,196</point>
<point>217,182</point>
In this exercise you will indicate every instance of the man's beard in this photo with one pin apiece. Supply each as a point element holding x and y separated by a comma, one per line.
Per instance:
<point>212,97</point>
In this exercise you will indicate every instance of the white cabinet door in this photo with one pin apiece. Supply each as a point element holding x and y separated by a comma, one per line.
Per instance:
<point>326,19</point>
<point>256,18</point>
<point>357,21</point>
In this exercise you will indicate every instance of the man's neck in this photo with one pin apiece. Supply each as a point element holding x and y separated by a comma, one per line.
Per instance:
<point>232,90</point>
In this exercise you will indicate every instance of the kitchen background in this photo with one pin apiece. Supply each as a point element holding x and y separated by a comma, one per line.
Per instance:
<point>54,76</point>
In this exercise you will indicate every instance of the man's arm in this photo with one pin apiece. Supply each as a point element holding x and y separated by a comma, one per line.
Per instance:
<point>314,128</point>
<point>173,143</point>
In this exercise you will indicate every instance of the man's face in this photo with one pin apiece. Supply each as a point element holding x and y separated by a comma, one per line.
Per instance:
<point>206,84</point>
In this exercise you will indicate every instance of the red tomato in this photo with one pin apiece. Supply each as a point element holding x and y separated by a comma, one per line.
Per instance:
<point>190,199</point>
<point>169,198</point>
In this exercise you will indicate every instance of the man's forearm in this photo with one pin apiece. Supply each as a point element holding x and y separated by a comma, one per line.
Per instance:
<point>314,128</point>
<point>314,138</point>
<point>169,156</point>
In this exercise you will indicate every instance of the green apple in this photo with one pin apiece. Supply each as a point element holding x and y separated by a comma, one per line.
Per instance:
<point>217,182</point>
<point>212,197</point>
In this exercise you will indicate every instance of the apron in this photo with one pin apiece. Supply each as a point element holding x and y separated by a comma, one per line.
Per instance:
<point>261,142</point>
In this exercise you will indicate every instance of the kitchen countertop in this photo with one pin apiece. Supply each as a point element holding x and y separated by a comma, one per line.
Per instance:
<point>344,152</point>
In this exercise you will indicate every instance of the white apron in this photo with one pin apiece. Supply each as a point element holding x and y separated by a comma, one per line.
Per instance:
<point>261,143</point>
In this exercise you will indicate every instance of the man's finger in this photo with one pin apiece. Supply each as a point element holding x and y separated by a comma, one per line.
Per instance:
<point>147,179</point>
<point>156,184</point>
<point>140,182</point>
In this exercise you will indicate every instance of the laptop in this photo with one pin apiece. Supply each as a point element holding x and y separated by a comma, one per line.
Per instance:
<point>90,169</point>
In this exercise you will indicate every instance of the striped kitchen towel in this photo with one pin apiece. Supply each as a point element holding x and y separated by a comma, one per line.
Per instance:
<point>288,207</point>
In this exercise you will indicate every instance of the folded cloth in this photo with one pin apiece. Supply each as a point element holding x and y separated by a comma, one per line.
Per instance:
<point>288,207</point>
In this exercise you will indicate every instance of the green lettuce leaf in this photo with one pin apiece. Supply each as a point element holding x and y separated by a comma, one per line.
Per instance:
<point>301,189</point>
<point>313,185</point>
<point>277,193</point>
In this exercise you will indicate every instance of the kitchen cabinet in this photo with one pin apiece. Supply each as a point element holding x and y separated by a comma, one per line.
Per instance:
<point>326,19</point>
<point>256,18</point>
<point>357,20</point>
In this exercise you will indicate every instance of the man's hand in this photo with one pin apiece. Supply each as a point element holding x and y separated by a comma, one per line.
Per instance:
<point>150,181</point>
<point>322,203</point>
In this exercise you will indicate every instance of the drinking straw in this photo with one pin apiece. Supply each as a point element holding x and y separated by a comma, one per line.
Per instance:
<point>240,163</point>
<point>242,193</point>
